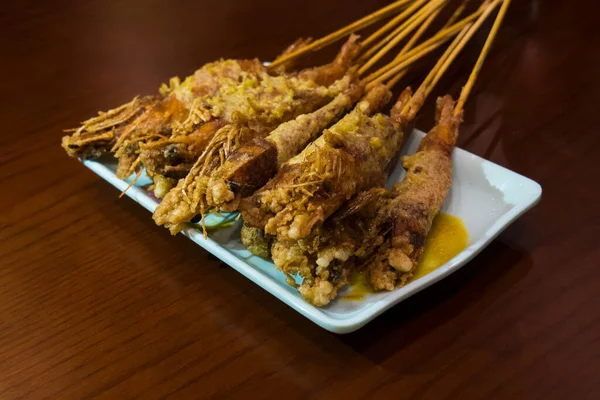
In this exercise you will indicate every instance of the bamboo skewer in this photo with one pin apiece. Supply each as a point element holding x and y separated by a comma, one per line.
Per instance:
<point>446,59</point>
<point>426,25</point>
<point>396,66</point>
<point>389,25</point>
<point>460,44</point>
<point>405,63</point>
<point>339,34</point>
<point>410,44</point>
<point>414,56</point>
<point>459,10</point>
<point>401,17</point>
<point>464,94</point>
<point>439,38</point>
<point>420,32</point>
<point>411,24</point>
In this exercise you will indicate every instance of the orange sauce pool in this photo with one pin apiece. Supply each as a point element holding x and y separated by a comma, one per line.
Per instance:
<point>447,238</point>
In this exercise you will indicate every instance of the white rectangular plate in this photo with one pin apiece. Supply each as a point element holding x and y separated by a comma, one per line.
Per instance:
<point>485,196</point>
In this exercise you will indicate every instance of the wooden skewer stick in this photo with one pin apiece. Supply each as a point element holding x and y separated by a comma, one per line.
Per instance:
<point>377,47</point>
<point>459,10</point>
<point>469,32</point>
<point>397,65</point>
<point>420,32</point>
<point>410,44</point>
<point>456,47</point>
<point>389,25</point>
<point>345,31</point>
<point>451,53</point>
<point>401,17</point>
<point>411,58</point>
<point>444,62</point>
<point>418,18</point>
<point>428,23</point>
<point>464,94</point>
<point>406,62</point>
<point>422,29</point>
<point>400,70</point>
<point>440,37</point>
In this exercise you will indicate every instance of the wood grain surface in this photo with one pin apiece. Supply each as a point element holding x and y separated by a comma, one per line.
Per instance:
<point>97,301</point>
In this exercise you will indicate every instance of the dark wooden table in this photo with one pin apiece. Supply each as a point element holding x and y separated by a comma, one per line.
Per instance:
<point>95,300</point>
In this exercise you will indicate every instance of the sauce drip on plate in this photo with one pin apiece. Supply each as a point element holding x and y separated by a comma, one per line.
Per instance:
<point>447,238</point>
<point>359,287</point>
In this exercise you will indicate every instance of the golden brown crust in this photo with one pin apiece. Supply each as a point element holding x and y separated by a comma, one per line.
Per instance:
<point>381,230</point>
<point>175,159</point>
<point>326,75</point>
<point>246,170</point>
<point>351,156</point>
<point>97,135</point>
<point>241,175</point>
<point>252,108</point>
<point>175,124</point>
<point>417,200</point>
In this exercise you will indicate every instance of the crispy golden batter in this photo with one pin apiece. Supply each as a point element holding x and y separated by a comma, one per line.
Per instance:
<point>417,200</point>
<point>255,108</point>
<point>351,156</point>
<point>255,102</point>
<point>325,258</point>
<point>381,230</point>
<point>326,74</point>
<point>253,164</point>
<point>97,135</point>
<point>181,114</point>
<point>250,109</point>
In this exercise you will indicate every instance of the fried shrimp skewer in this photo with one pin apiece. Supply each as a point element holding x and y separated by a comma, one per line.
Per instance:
<point>182,114</point>
<point>383,231</point>
<point>416,201</point>
<point>253,164</point>
<point>252,110</point>
<point>292,206</point>
<point>250,166</point>
<point>259,100</point>
<point>100,134</point>
<point>419,198</point>
<point>165,135</point>
<point>174,119</point>
<point>116,130</point>
<point>351,156</point>
<point>311,250</point>
<point>122,129</point>
<point>234,179</point>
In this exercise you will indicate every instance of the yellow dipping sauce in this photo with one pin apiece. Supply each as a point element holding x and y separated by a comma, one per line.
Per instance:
<point>447,238</point>
<point>359,287</point>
